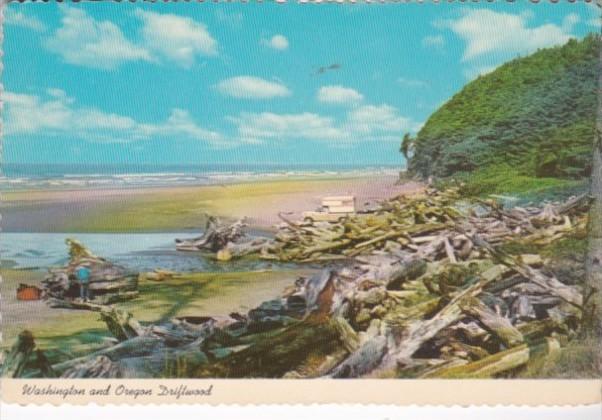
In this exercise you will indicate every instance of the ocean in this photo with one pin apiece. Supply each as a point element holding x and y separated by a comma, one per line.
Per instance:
<point>73,176</point>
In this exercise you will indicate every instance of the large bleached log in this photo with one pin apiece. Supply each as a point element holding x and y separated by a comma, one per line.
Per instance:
<point>274,355</point>
<point>498,363</point>
<point>550,284</point>
<point>120,323</point>
<point>106,278</point>
<point>132,348</point>
<point>74,304</point>
<point>364,360</point>
<point>100,367</point>
<point>240,249</point>
<point>215,237</point>
<point>496,324</point>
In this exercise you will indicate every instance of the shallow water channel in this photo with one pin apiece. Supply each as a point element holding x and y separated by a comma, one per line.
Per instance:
<point>136,251</point>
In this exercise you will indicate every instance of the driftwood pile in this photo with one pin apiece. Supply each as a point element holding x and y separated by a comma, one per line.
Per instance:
<point>109,282</point>
<point>423,225</point>
<point>428,292</point>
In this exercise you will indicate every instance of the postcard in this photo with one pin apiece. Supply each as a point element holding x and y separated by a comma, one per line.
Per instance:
<point>283,202</point>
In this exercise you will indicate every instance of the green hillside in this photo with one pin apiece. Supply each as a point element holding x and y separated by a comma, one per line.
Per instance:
<point>528,123</point>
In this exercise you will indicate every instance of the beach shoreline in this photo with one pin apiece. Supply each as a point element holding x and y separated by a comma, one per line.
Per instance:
<point>184,208</point>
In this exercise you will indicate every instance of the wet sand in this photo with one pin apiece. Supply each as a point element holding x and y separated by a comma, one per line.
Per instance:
<point>184,208</point>
<point>76,332</point>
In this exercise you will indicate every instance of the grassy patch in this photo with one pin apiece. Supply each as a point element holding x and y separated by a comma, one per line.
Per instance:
<point>580,359</point>
<point>503,179</point>
<point>207,294</point>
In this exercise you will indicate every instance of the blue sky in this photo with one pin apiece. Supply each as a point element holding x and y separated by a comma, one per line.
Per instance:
<point>261,83</point>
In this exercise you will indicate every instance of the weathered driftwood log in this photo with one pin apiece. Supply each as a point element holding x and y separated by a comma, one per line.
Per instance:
<point>272,356</point>
<point>100,367</point>
<point>407,270</point>
<point>173,349</point>
<point>215,237</point>
<point>132,348</point>
<point>106,278</point>
<point>496,324</point>
<point>364,360</point>
<point>240,249</point>
<point>120,323</point>
<point>498,363</point>
<point>156,275</point>
<point>550,284</point>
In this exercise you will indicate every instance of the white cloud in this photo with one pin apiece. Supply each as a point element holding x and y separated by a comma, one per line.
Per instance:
<point>55,115</point>
<point>569,21</point>
<point>339,95</point>
<point>20,18</point>
<point>87,42</point>
<point>268,125</point>
<point>497,33</point>
<point>249,87</point>
<point>28,114</point>
<point>180,123</point>
<point>372,119</point>
<point>433,41</point>
<point>176,38</point>
<point>59,94</point>
<point>277,42</point>
<point>368,122</point>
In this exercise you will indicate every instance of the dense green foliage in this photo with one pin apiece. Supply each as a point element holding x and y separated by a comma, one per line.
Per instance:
<point>532,119</point>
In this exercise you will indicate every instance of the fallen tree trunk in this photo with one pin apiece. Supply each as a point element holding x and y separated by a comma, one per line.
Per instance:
<point>551,285</point>
<point>498,363</point>
<point>107,281</point>
<point>496,324</point>
<point>241,249</point>
<point>120,323</point>
<point>100,367</point>
<point>273,356</point>
<point>364,360</point>
<point>215,237</point>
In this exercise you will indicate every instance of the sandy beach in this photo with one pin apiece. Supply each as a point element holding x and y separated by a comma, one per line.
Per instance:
<point>184,208</point>
<point>205,294</point>
<point>164,209</point>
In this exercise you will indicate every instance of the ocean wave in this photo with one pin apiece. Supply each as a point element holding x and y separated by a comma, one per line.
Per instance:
<point>165,179</point>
